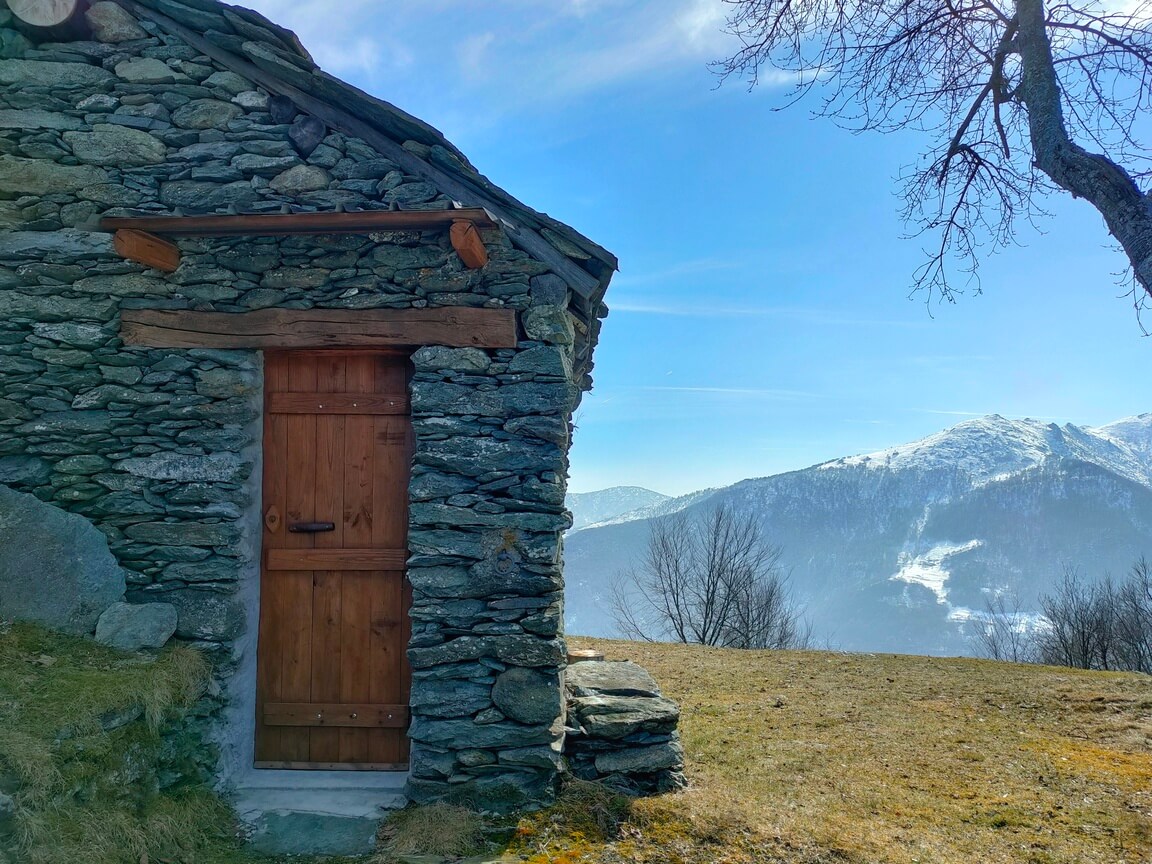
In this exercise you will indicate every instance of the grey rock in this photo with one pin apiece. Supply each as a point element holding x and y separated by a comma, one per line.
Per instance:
<point>263,166</point>
<point>550,324</point>
<point>478,456</point>
<point>293,832</point>
<point>147,70</point>
<point>642,760</point>
<point>55,567</point>
<point>132,626</point>
<point>549,290</point>
<point>111,23</point>
<point>206,615</point>
<point>433,358</point>
<point>610,678</point>
<point>229,82</point>
<point>220,467</point>
<point>251,100</point>
<point>113,145</point>
<point>127,285</point>
<point>76,335</point>
<point>206,114</point>
<point>202,197</point>
<point>300,179</point>
<point>100,397</point>
<point>543,361</point>
<point>39,177</point>
<point>58,76</point>
<point>528,696</point>
<point>111,195</point>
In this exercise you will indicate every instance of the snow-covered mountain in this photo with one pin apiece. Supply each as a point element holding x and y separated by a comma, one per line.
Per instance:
<point>893,551</point>
<point>591,508</point>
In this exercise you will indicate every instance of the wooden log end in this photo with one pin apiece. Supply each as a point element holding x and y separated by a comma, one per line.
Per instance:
<point>579,655</point>
<point>468,245</point>
<point>147,249</point>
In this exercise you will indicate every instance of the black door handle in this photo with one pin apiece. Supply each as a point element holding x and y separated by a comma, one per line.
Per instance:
<point>310,527</point>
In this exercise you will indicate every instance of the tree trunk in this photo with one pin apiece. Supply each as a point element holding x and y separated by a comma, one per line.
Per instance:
<point>1094,177</point>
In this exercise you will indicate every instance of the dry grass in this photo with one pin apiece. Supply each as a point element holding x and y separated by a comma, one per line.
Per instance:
<point>443,830</point>
<point>877,759</point>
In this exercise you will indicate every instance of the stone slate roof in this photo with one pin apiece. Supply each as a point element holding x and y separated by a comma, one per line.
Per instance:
<point>255,47</point>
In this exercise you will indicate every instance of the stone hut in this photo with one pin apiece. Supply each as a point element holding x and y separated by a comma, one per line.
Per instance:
<point>309,376</point>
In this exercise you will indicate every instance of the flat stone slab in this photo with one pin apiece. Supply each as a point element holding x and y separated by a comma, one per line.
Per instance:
<point>610,678</point>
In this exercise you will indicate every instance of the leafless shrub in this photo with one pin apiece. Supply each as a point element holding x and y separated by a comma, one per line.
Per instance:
<point>710,580</point>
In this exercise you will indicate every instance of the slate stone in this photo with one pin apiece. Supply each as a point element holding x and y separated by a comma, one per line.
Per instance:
<point>206,114</point>
<point>68,423</point>
<point>132,626</point>
<point>478,456</point>
<point>610,678</point>
<point>55,567</point>
<point>100,397</point>
<point>184,533</point>
<point>24,470</point>
<point>616,717</point>
<point>109,22</point>
<point>451,699</point>
<point>219,467</point>
<point>263,166</point>
<point>35,118</point>
<point>77,335</point>
<point>57,76</point>
<point>306,134</point>
<point>214,570</point>
<point>282,109</point>
<point>464,734</point>
<point>127,285</point>
<point>523,650</point>
<point>543,361</point>
<point>52,308</point>
<point>39,177</point>
<point>642,760</point>
<point>528,696</point>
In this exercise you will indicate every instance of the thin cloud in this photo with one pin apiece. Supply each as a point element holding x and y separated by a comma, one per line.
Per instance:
<point>737,391</point>
<point>709,310</point>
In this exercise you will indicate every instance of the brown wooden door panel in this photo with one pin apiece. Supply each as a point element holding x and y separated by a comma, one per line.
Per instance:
<point>334,623</point>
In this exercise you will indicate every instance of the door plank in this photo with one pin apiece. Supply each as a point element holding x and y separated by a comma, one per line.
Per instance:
<point>272,602</point>
<point>335,714</point>
<point>338,403</point>
<point>301,466</point>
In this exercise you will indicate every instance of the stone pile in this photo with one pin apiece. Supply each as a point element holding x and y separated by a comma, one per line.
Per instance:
<point>621,730</point>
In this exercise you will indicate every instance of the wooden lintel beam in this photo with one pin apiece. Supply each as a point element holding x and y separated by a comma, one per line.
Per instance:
<point>285,224</point>
<point>468,245</point>
<point>453,326</point>
<point>146,249</point>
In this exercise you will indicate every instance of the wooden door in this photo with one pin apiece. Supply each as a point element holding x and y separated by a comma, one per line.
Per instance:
<point>332,672</point>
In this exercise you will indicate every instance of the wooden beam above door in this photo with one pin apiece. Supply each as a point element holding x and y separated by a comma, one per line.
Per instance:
<point>453,326</point>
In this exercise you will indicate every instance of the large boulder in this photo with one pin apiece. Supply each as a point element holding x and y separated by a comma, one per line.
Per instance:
<point>55,567</point>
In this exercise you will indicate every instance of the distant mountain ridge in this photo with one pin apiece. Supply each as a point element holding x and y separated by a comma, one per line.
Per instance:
<point>591,508</point>
<point>896,550</point>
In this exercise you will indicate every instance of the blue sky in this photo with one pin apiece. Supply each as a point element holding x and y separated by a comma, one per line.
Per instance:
<point>761,320</point>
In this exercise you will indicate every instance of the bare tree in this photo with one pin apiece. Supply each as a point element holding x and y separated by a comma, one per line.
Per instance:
<point>1133,627</point>
<point>1019,98</point>
<point>709,580</point>
<point>1004,631</point>
<point>1080,623</point>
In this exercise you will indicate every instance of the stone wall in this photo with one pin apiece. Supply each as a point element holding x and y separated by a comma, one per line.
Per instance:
<point>159,449</point>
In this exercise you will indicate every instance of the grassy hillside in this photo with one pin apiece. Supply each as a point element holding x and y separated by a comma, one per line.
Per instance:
<point>794,758</point>
<point>822,757</point>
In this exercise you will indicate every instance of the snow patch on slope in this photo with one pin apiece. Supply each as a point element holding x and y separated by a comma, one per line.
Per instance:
<point>929,568</point>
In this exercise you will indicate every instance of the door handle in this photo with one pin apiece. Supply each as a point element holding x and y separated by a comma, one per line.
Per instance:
<point>310,527</point>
